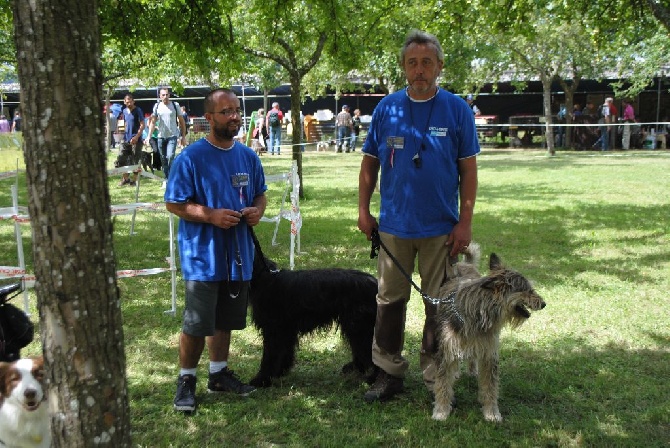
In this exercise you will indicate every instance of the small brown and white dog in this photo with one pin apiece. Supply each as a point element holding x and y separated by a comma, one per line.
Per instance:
<point>24,414</point>
<point>469,322</point>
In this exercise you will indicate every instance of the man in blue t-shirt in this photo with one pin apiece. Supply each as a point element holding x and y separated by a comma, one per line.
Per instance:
<point>133,119</point>
<point>424,141</point>
<point>217,187</point>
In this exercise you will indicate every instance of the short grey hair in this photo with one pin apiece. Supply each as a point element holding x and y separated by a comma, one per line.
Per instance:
<point>421,38</point>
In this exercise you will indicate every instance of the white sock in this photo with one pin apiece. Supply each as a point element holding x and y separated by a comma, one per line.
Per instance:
<point>187,371</point>
<point>215,366</point>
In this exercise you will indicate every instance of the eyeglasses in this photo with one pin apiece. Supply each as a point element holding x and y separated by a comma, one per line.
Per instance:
<point>229,112</point>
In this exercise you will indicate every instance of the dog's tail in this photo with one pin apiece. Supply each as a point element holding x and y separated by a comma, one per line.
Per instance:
<point>473,253</point>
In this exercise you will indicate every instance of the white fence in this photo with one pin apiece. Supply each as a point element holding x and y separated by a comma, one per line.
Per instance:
<point>19,215</point>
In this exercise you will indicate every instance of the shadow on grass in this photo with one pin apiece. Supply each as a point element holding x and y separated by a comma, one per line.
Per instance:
<point>570,393</point>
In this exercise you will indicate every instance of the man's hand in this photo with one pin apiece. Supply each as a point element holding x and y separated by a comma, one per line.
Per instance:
<point>224,218</point>
<point>252,215</point>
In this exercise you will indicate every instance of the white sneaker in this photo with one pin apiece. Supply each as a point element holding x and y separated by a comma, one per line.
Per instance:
<point>164,185</point>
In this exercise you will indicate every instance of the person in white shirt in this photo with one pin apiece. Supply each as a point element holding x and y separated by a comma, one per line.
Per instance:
<point>167,117</point>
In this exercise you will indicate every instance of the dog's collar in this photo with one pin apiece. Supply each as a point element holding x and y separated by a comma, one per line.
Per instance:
<point>435,301</point>
<point>451,300</point>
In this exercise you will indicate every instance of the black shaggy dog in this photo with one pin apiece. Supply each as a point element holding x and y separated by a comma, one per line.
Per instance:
<point>288,304</point>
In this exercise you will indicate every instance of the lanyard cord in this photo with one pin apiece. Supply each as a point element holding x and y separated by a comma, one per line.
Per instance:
<point>417,156</point>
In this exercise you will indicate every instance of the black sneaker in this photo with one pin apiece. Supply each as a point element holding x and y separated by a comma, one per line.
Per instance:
<point>225,380</point>
<point>185,398</point>
<point>384,388</point>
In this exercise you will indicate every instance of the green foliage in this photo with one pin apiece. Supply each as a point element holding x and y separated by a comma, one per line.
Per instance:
<point>589,370</point>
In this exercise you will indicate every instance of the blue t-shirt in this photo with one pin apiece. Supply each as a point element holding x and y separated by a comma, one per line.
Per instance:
<point>132,121</point>
<point>216,178</point>
<point>420,201</point>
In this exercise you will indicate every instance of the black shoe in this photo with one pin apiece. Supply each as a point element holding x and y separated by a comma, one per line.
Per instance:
<point>385,387</point>
<point>185,398</point>
<point>225,380</point>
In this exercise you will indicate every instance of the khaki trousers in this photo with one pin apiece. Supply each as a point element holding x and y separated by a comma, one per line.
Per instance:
<point>393,295</point>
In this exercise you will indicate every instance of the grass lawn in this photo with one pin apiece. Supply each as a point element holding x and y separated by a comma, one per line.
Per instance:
<point>591,369</point>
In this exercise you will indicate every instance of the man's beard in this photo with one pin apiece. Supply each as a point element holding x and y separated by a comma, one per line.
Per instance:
<point>225,132</point>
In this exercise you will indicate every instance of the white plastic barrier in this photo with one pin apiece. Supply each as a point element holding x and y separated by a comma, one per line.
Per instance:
<point>19,215</point>
<point>292,214</point>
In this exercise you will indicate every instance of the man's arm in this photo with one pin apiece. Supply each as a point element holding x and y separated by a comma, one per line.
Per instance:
<point>367,181</point>
<point>190,211</point>
<point>182,128</point>
<point>461,235</point>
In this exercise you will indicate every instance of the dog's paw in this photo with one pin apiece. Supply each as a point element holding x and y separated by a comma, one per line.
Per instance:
<point>441,413</point>
<point>493,416</point>
<point>440,416</point>
<point>260,381</point>
<point>349,368</point>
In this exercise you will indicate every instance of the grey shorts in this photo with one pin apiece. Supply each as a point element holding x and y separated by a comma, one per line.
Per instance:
<point>215,305</point>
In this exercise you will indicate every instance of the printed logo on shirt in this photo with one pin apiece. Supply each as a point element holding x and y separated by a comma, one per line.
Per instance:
<point>435,131</point>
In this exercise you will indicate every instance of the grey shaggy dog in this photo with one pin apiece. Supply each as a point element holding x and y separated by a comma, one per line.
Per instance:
<point>469,325</point>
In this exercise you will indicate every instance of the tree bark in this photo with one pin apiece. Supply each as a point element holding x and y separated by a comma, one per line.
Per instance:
<point>546,102</point>
<point>58,54</point>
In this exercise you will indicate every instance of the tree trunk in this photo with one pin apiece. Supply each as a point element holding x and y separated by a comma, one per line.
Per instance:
<point>570,87</point>
<point>58,53</point>
<point>548,128</point>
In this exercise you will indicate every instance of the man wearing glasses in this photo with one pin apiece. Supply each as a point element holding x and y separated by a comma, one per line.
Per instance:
<point>171,127</point>
<point>217,188</point>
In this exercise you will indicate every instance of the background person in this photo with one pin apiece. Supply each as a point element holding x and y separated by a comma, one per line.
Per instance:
<point>628,118</point>
<point>345,128</point>
<point>153,143</point>
<point>4,125</point>
<point>167,117</point>
<point>16,122</point>
<point>424,140</point>
<point>604,119</point>
<point>356,126</point>
<point>470,99</point>
<point>133,119</point>
<point>613,119</point>
<point>187,124</point>
<point>113,125</point>
<point>273,122</point>
<point>217,188</point>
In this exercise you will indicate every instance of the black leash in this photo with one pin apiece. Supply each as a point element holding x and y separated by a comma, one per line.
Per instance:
<point>374,252</point>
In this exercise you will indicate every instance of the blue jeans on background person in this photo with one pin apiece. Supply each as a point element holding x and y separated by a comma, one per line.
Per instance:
<point>604,138</point>
<point>167,147</point>
<point>343,138</point>
<point>354,139</point>
<point>275,139</point>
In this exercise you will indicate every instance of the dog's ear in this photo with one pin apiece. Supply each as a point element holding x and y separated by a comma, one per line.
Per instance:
<point>494,262</point>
